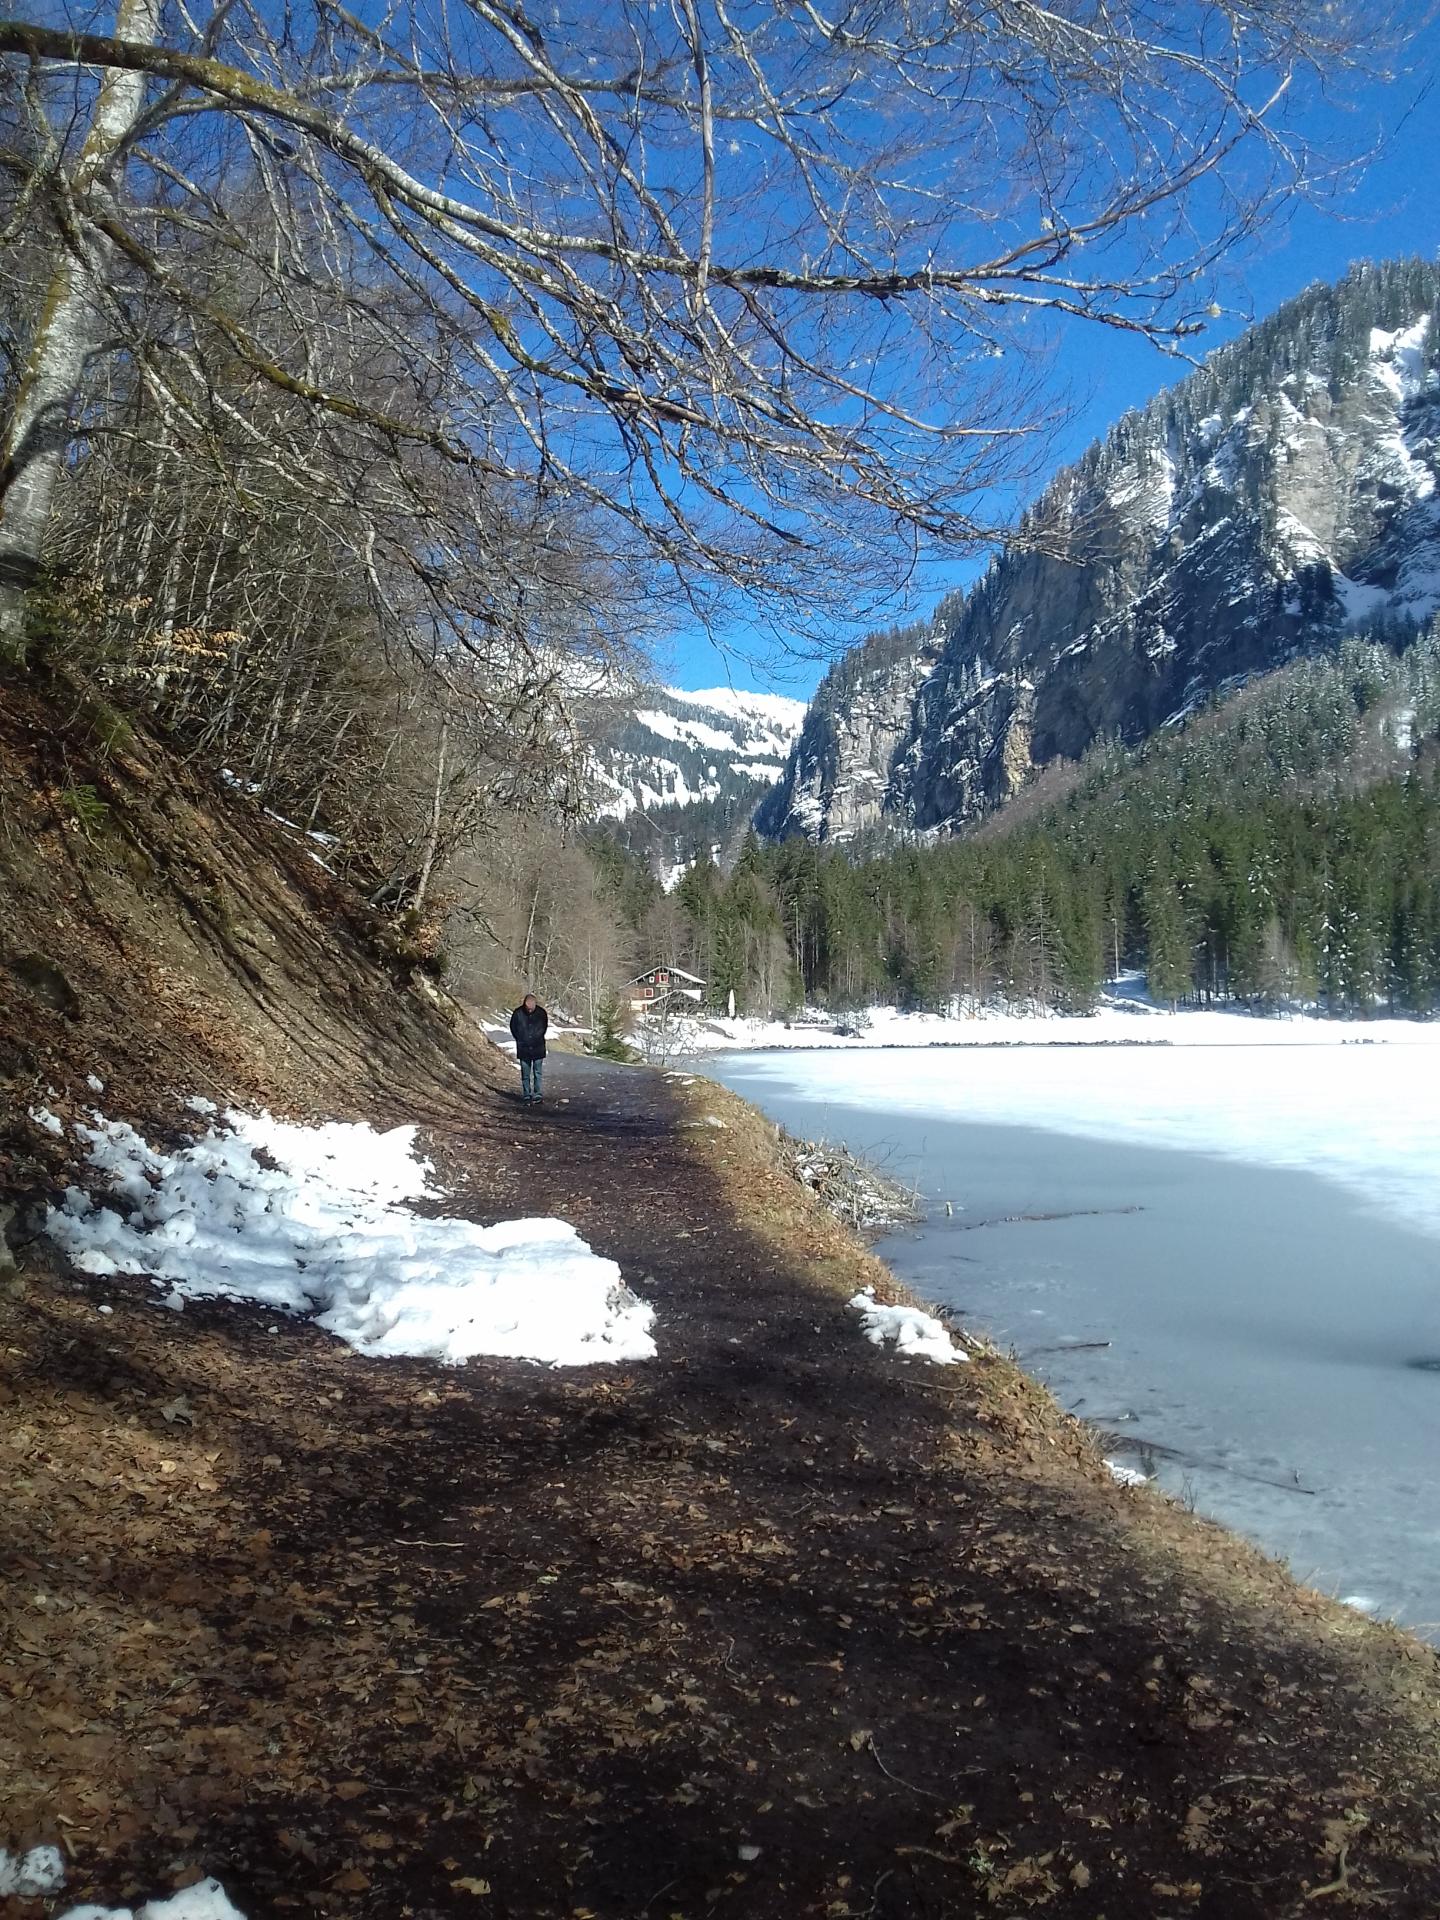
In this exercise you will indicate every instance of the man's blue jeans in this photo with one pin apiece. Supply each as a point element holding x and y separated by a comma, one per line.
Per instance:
<point>530,1072</point>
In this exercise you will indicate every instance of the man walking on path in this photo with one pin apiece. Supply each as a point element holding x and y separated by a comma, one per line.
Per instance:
<point>527,1027</point>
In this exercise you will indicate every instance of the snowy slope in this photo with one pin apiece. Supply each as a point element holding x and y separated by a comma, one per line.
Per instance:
<point>675,748</point>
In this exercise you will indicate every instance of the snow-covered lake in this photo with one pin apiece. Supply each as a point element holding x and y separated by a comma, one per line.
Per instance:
<point>1255,1231</point>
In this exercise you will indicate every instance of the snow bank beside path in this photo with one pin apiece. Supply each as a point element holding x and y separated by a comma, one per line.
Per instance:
<point>312,1221</point>
<point>913,1334</point>
<point>40,1873</point>
<point>206,1900</point>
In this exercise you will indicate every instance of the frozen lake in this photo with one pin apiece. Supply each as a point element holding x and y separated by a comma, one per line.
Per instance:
<point>1254,1231</point>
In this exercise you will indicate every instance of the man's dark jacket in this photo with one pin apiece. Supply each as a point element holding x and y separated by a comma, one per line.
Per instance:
<point>528,1032</point>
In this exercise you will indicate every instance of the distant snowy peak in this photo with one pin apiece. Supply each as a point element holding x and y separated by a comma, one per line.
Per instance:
<point>780,710</point>
<point>677,749</point>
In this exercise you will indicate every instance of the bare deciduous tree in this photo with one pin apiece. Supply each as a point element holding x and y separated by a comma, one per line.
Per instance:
<point>724,291</point>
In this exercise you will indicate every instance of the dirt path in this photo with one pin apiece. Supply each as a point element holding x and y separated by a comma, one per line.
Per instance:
<point>773,1625</point>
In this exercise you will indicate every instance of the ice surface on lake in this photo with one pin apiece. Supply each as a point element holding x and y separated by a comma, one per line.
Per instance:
<point>1227,1263</point>
<point>1368,1117</point>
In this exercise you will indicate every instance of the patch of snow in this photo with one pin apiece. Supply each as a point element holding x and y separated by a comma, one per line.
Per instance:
<point>621,804</point>
<point>312,1221</point>
<point>1127,1476</point>
<point>1361,1603</point>
<point>43,1117</point>
<point>94,1083</point>
<point>206,1900</point>
<point>32,1875</point>
<point>1398,359</point>
<point>1358,599</point>
<point>693,733</point>
<point>913,1334</point>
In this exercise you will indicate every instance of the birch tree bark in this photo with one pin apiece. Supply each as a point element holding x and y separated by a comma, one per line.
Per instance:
<point>69,329</point>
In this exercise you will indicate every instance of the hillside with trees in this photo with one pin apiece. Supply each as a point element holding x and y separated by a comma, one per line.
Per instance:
<point>1280,849</point>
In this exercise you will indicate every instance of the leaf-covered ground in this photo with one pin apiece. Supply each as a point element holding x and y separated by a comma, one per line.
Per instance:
<point>773,1625</point>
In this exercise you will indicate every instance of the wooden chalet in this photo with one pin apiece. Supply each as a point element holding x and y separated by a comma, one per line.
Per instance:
<point>661,989</point>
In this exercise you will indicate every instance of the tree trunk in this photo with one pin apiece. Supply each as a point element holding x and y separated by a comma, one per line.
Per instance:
<point>69,329</point>
<point>437,804</point>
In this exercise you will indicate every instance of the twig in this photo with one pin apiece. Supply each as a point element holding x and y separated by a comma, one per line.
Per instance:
<point>910,1787</point>
<point>875,1890</point>
<point>1341,1880</point>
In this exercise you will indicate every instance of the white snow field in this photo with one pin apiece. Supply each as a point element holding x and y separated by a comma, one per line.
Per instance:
<point>1365,1116</point>
<point>313,1221</point>
<point>1123,1017</point>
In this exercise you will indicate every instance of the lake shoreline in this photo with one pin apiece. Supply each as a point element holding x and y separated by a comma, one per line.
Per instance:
<point>1116,1257</point>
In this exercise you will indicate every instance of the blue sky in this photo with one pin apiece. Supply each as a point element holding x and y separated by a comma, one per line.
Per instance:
<point>1393,209</point>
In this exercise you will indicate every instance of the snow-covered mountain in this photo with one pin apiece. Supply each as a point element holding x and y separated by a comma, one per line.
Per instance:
<point>1287,492</point>
<point>711,749</point>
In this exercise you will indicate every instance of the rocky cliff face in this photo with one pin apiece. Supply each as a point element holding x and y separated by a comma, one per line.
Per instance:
<point>837,779</point>
<point>1285,493</point>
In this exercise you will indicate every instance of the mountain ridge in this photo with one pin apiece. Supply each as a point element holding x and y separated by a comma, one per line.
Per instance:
<point>1280,496</point>
<point>675,773</point>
